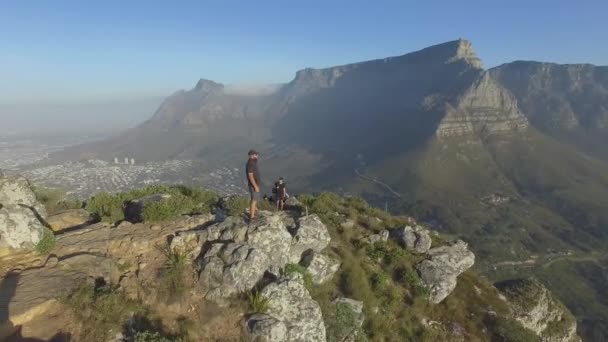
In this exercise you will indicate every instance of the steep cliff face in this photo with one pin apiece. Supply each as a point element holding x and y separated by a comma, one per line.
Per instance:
<point>536,309</point>
<point>485,108</point>
<point>558,97</point>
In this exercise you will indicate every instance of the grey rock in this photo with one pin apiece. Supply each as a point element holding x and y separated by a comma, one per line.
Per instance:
<point>380,237</point>
<point>17,191</point>
<point>293,202</point>
<point>229,269</point>
<point>239,254</point>
<point>19,227</point>
<point>413,238</point>
<point>21,215</point>
<point>289,301</point>
<point>440,272</point>
<point>265,328</point>
<point>322,267</point>
<point>310,234</point>
<point>356,307</point>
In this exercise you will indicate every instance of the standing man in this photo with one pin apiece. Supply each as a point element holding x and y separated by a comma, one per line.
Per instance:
<point>253,182</point>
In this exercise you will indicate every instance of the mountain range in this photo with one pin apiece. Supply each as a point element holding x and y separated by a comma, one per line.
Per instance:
<point>513,158</point>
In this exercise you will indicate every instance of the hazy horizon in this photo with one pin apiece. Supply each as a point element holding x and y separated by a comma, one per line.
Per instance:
<point>107,64</point>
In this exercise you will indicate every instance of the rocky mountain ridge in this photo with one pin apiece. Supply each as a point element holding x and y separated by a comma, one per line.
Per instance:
<point>223,257</point>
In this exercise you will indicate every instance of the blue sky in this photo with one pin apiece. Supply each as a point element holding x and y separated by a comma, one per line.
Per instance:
<point>69,51</point>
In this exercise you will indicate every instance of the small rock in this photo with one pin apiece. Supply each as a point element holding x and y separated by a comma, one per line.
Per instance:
<point>124,224</point>
<point>380,237</point>
<point>51,261</point>
<point>68,219</point>
<point>155,227</point>
<point>322,267</point>
<point>413,238</point>
<point>266,328</point>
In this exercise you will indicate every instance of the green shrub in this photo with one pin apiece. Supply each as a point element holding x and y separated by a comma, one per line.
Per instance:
<point>203,200</point>
<point>168,208</point>
<point>46,243</point>
<point>384,252</point>
<point>296,268</point>
<point>173,273</point>
<point>378,280</point>
<point>257,302</point>
<point>184,200</point>
<point>107,207</point>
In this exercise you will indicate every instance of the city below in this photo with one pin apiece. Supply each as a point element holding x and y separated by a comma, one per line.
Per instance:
<point>81,179</point>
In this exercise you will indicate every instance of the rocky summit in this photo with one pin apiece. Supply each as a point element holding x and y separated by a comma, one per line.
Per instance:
<point>321,271</point>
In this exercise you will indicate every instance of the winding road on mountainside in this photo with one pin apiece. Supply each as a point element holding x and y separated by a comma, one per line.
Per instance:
<point>375,180</point>
<point>540,263</point>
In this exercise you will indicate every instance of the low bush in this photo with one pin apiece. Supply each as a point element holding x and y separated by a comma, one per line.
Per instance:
<point>257,302</point>
<point>173,282</point>
<point>46,243</point>
<point>184,200</point>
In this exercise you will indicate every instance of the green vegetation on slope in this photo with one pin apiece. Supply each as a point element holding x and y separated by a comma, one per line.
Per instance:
<point>384,278</point>
<point>183,200</point>
<point>554,201</point>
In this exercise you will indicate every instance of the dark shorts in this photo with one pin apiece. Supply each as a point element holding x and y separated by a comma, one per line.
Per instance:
<point>254,196</point>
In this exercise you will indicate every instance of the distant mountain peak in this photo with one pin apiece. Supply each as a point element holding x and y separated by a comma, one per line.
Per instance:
<point>453,51</point>
<point>208,85</point>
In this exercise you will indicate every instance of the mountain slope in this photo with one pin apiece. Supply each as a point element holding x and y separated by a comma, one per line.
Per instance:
<point>569,102</point>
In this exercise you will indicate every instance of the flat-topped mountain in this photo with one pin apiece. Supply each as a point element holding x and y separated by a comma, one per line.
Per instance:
<point>441,90</point>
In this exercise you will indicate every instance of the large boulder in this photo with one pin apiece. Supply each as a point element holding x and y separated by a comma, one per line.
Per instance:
<point>309,234</point>
<point>320,266</point>
<point>68,219</point>
<point>290,302</point>
<point>18,191</point>
<point>265,328</point>
<point>19,227</point>
<point>535,308</point>
<point>21,215</point>
<point>236,255</point>
<point>231,268</point>
<point>415,238</point>
<point>440,272</point>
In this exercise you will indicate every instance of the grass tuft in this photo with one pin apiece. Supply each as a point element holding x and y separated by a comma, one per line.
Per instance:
<point>46,243</point>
